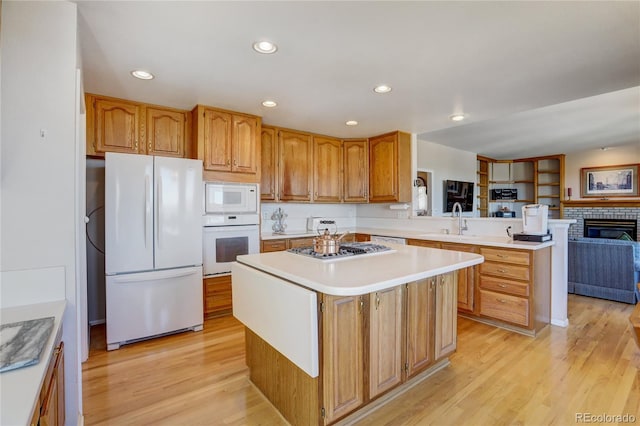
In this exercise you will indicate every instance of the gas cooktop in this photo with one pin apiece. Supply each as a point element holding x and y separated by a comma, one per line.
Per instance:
<point>346,250</point>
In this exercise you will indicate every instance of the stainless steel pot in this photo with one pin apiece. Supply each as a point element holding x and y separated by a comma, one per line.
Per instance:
<point>327,243</point>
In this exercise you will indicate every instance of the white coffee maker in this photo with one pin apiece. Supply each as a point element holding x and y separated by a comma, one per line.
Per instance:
<point>535,219</point>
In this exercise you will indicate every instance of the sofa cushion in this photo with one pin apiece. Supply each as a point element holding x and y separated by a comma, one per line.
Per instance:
<point>634,244</point>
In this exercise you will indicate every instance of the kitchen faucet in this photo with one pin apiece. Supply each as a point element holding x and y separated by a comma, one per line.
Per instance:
<point>453,214</point>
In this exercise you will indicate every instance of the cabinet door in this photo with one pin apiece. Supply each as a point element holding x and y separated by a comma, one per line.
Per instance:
<point>52,412</point>
<point>385,340</point>
<point>327,169</point>
<point>446,315</point>
<point>217,140</point>
<point>342,355</point>
<point>383,168</point>
<point>269,164</point>
<point>116,125</point>
<point>420,318</point>
<point>296,154</point>
<point>165,132</point>
<point>466,278</point>
<point>356,171</point>
<point>243,144</point>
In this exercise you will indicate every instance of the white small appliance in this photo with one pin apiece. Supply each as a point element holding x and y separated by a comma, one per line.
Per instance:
<point>153,257</point>
<point>535,219</point>
<point>222,198</point>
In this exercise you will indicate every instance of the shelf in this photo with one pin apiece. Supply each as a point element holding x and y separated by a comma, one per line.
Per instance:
<point>548,172</point>
<point>511,201</point>
<point>549,184</point>
<point>509,182</point>
<point>548,196</point>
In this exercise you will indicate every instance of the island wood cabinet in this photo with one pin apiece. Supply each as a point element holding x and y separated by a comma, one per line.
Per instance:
<point>49,409</point>
<point>514,287</point>
<point>119,125</point>
<point>228,143</point>
<point>217,296</point>
<point>355,174</point>
<point>390,168</point>
<point>327,169</point>
<point>466,277</point>
<point>407,329</point>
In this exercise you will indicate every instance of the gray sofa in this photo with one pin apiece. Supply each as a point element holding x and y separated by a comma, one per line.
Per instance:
<point>604,268</point>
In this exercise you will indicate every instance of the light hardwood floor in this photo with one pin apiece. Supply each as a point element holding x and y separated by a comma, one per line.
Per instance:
<point>495,377</point>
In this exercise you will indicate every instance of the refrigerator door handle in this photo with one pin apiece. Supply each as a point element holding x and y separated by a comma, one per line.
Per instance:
<point>154,276</point>
<point>147,210</point>
<point>159,208</point>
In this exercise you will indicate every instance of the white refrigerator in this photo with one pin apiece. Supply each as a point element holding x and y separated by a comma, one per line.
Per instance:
<point>153,246</point>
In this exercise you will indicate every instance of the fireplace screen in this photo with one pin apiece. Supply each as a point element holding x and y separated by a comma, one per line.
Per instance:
<point>611,228</point>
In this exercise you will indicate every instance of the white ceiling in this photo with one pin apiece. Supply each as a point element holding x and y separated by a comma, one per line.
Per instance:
<point>534,78</point>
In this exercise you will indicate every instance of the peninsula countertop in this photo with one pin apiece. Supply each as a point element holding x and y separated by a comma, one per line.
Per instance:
<point>21,387</point>
<point>481,240</point>
<point>362,274</point>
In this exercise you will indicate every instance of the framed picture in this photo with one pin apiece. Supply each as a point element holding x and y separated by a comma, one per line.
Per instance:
<point>609,181</point>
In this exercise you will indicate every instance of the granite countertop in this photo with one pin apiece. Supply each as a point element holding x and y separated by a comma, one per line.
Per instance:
<point>355,275</point>
<point>21,387</point>
<point>483,240</point>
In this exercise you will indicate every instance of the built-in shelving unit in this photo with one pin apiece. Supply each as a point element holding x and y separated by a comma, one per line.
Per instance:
<point>538,180</point>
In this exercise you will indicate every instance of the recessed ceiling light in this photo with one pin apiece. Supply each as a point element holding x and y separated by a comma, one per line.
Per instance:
<point>604,148</point>
<point>142,75</point>
<point>457,117</point>
<point>264,47</point>
<point>351,123</point>
<point>383,88</point>
<point>269,104</point>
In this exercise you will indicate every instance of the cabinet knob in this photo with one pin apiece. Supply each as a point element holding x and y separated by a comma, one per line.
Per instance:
<point>135,146</point>
<point>235,162</point>
<point>228,162</point>
<point>502,271</point>
<point>149,146</point>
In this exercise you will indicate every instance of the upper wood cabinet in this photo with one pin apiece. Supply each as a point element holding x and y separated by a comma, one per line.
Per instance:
<point>327,169</point>
<point>390,168</point>
<point>228,143</point>
<point>269,164</point>
<point>113,125</point>
<point>295,151</point>
<point>118,125</point>
<point>355,174</point>
<point>165,132</point>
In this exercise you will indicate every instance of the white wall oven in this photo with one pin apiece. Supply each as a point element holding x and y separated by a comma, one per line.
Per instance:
<point>231,225</point>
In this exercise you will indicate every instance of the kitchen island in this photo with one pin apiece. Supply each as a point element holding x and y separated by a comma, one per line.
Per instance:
<point>327,338</point>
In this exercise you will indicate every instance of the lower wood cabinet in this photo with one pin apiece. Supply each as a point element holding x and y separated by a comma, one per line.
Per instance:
<point>50,407</point>
<point>217,296</point>
<point>281,244</point>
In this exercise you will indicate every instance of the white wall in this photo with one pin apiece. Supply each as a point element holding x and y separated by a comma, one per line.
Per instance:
<point>37,191</point>
<point>628,154</point>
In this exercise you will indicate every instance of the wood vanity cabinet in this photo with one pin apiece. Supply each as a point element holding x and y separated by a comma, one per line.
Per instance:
<point>268,164</point>
<point>355,174</point>
<point>390,168</point>
<point>295,151</point>
<point>514,286</point>
<point>327,169</point>
<point>50,406</point>
<point>228,143</point>
<point>119,125</point>
<point>217,296</point>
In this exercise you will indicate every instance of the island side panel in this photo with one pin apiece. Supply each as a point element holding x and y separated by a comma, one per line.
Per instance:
<point>542,288</point>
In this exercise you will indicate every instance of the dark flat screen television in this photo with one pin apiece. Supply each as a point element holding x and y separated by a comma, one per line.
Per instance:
<point>458,191</point>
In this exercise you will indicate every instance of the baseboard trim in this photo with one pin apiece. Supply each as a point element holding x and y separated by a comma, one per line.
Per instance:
<point>560,323</point>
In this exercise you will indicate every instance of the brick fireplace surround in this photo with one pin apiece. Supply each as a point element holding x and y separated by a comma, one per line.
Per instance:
<point>599,209</point>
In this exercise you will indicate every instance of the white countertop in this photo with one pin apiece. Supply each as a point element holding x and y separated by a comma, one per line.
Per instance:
<point>21,387</point>
<point>361,274</point>
<point>483,240</point>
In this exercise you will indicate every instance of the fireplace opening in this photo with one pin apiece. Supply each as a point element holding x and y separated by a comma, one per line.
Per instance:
<point>611,228</point>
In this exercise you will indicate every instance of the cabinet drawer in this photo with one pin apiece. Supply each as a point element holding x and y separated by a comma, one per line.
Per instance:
<point>505,286</point>
<point>504,307</point>
<point>505,270</point>
<point>300,242</point>
<point>506,256</point>
<point>424,243</point>
<point>273,245</point>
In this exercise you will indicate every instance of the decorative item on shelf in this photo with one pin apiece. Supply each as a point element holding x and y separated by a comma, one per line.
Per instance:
<point>504,212</point>
<point>279,226</point>
<point>569,193</point>
<point>504,194</point>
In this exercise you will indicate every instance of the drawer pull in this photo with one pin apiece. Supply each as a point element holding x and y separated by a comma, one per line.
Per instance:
<point>503,256</point>
<point>502,285</point>
<point>502,301</point>
<point>502,271</point>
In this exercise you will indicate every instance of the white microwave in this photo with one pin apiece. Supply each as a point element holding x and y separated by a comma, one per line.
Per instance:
<point>222,198</point>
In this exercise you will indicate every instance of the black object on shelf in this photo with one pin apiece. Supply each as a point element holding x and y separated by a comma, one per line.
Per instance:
<point>504,194</point>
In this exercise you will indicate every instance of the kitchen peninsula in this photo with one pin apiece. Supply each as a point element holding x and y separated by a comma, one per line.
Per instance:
<point>327,338</point>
